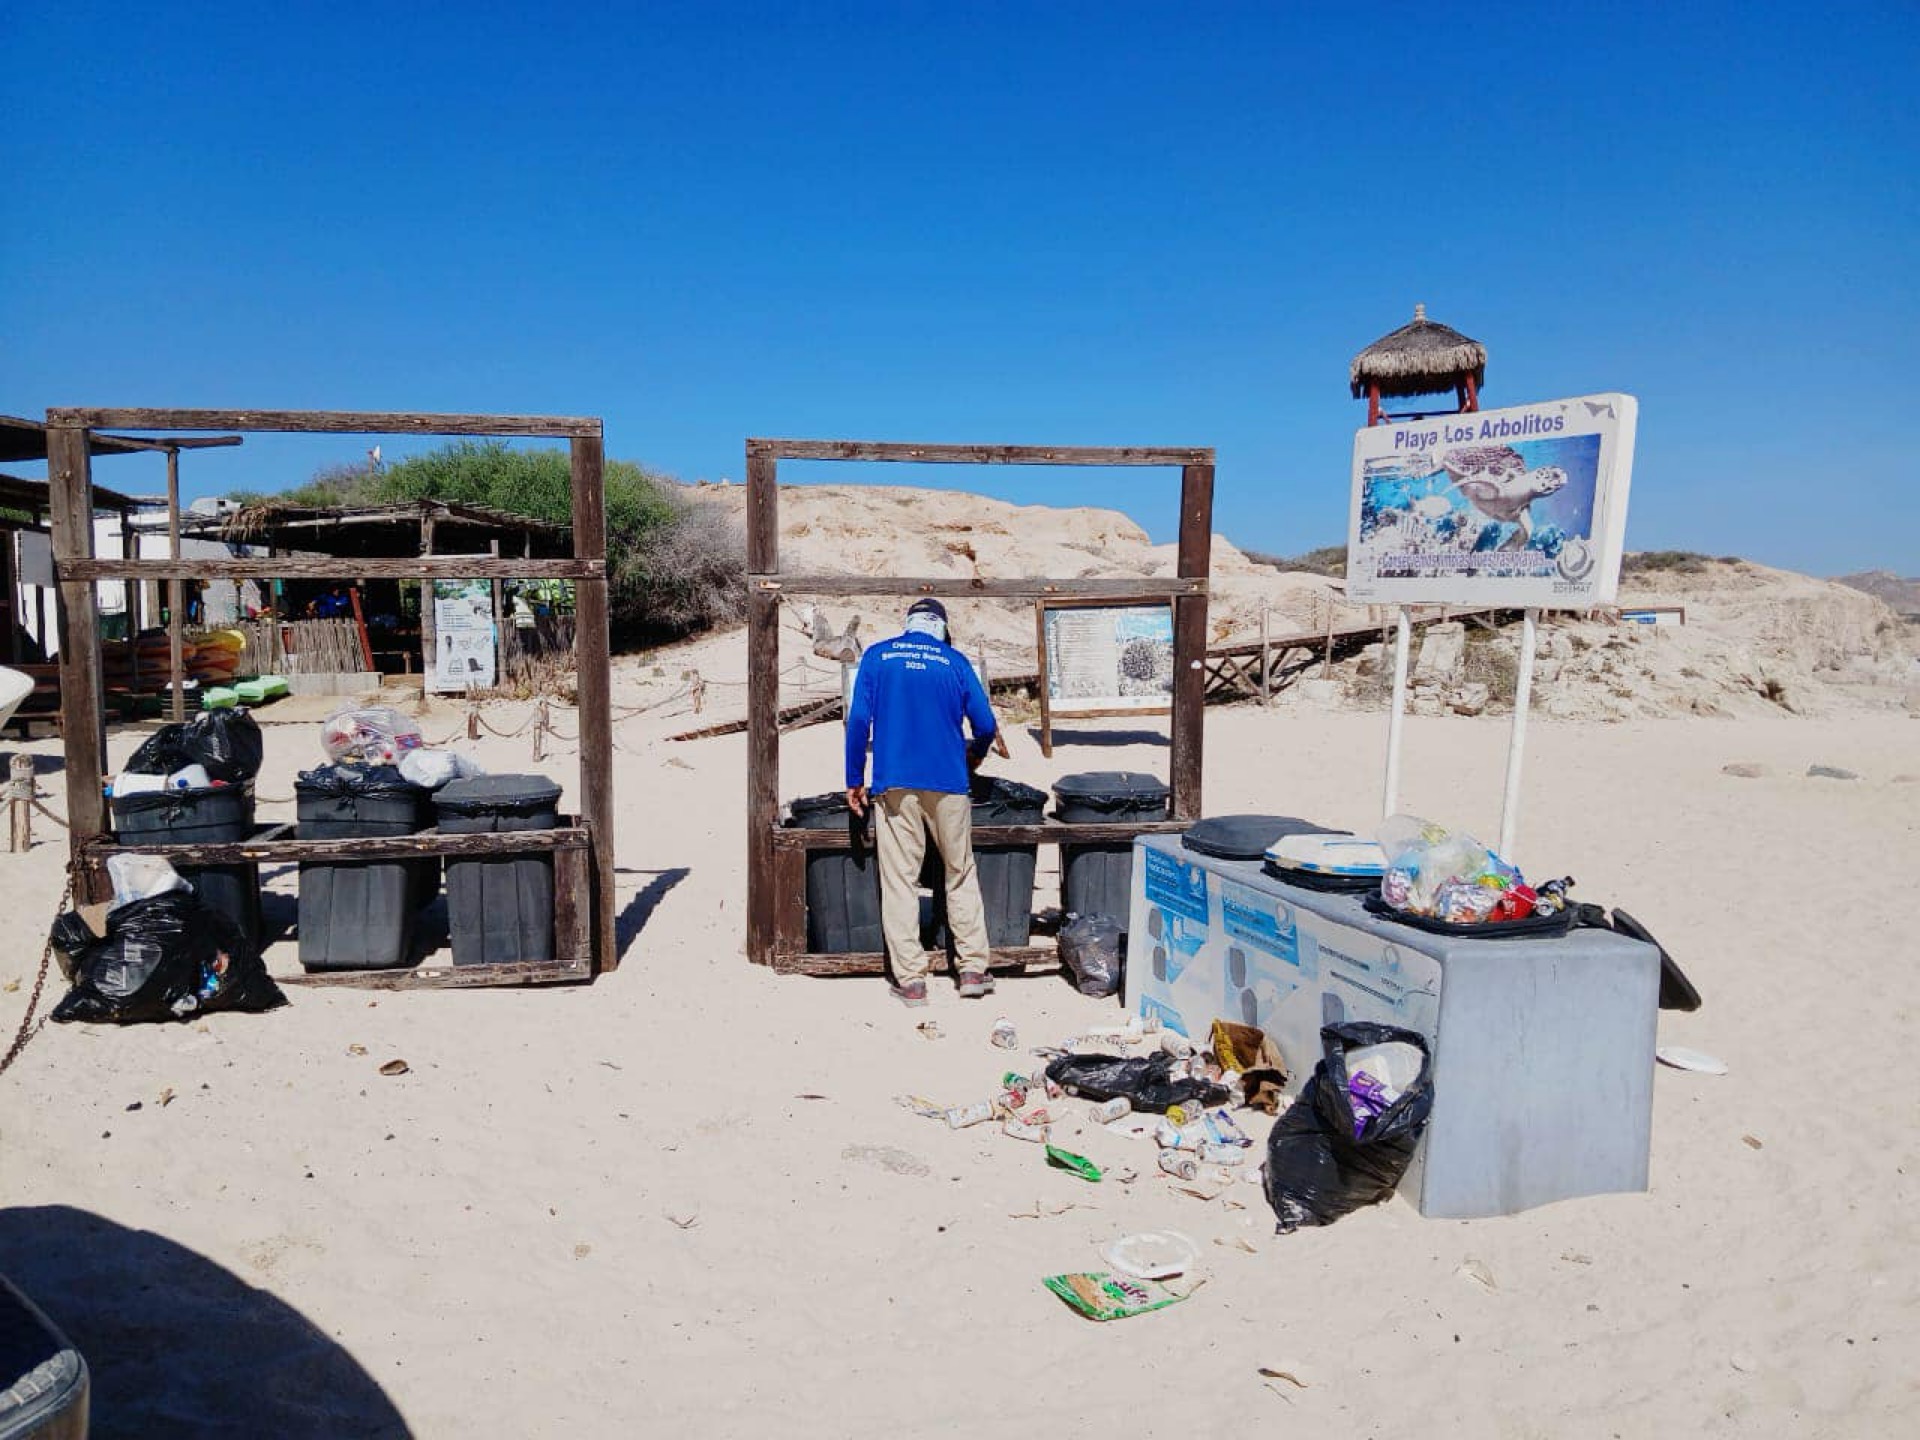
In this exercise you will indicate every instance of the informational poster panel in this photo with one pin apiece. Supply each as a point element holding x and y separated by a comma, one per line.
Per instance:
<point>1525,507</point>
<point>1103,658</point>
<point>33,558</point>
<point>464,637</point>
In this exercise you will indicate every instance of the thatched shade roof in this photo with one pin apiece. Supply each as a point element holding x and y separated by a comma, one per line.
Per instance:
<point>1422,358</point>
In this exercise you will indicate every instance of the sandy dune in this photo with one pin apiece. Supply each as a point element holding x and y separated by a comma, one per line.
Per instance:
<point>592,1211</point>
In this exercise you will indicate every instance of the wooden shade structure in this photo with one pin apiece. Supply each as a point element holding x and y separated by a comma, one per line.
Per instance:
<point>1422,357</point>
<point>582,848</point>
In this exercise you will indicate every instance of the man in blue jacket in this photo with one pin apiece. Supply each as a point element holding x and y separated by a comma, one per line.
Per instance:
<point>910,699</point>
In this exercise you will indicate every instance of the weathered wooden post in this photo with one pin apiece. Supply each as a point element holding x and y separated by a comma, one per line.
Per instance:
<point>20,793</point>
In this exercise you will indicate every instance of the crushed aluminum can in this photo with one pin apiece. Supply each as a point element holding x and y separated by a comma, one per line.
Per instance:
<point>1179,1164</point>
<point>1004,1036</point>
<point>1219,1154</point>
<point>1110,1110</point>
<point>961,1116</point>
<point>1176,1045</point>
<point>1020,1130</point>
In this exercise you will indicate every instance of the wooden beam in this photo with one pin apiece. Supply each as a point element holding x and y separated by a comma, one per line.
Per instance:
<point>977,454</point>
<point>447,977</point>
<point>959,587</point>
<point>1025,959</point>
<point>173,442</point>
<point>83,723</point>
<point>329,422</point>
<point>1051,832</point>
<point>1190,643</point>
<point>573,906</point>
<point>763,703</point>
<point>300,567</point>
<point>373,847</point>
<point>594,681</point>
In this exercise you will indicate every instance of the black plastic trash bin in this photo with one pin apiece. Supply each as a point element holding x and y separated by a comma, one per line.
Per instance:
<point>213,815</point>
<point>1246,837</point>
<point>44,1385</point>
<point>1098,879</point>
<point>843,886</point>
<point>499,907</point>
<point>359,914</point>
<point>1005,871</point>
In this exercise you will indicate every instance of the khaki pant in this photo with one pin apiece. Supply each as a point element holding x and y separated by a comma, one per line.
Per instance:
<point>904,817</point>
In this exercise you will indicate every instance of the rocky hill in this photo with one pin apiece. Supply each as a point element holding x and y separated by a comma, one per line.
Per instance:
<point>1755,640</point>
<point>1902,594</point>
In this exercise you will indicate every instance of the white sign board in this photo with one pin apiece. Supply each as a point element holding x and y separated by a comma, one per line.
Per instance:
<point>1108,657</point>
<point>33,558</point>
<point>463,636</point>
<point>1524,507</point>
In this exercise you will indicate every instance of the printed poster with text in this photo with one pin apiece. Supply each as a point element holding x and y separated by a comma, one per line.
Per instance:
<point>1525,507</point>
<point>1109,657</point>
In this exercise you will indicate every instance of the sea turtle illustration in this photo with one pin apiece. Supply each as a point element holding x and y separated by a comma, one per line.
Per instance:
<point>1496,481</point>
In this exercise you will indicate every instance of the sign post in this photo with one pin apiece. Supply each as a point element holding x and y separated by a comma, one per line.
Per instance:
<point>1105,657</point>
<point>1523,508</point>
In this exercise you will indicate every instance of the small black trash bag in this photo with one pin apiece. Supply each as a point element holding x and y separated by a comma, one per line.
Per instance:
<point>1090,949</point>
<point>227,742</point>
<point>1143,1080</point>
<point>1318,1168</point>
<point>164,958</point>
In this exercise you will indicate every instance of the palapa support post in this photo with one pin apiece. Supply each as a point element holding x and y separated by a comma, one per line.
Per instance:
<point>776,910</point>
<point>77,617</point>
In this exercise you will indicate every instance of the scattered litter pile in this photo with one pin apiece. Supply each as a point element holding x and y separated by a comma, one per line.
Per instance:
<point>1181,1099</point>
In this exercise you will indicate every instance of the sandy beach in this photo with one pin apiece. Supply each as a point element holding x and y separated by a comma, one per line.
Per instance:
<point>685,1196</point>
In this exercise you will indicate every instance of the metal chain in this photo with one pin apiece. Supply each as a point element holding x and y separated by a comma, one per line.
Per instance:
<point>28,1027</point>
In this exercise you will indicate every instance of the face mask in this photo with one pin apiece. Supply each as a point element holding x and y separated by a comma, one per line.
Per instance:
<point>924,623</point>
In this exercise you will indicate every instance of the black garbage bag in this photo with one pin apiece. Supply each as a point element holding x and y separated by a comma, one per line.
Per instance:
<point>1090,949</point>
<point>1143,1080</point>
<point>227,742</point>
<point>167,957</point>
<point>1318,1169</point>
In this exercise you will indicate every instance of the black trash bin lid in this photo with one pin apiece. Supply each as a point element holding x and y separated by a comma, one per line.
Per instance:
<point>998,790</point>
<point>355,780</point>
<point>497,795</point>
<point>1111,786</point>
<point>209,796</point>
<point>1246,837</point>
<point>827,804</point>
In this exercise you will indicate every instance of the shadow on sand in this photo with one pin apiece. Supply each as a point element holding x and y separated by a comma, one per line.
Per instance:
<point>180,1346</point>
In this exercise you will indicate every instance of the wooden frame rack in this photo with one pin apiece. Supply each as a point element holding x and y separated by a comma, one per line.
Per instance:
<point>582,849</point>
<point>776,856</point>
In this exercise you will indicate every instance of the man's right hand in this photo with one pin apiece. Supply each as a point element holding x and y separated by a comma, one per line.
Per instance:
<point>857,799</point>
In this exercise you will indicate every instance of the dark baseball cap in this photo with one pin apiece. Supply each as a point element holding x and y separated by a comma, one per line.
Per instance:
<point>928,606</point>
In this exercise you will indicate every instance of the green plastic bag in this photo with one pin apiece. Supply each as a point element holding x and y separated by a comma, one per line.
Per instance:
<point>1100,1296</point>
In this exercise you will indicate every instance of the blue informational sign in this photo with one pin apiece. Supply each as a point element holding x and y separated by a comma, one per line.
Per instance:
<point>1261,921</point>
<point>1176,888</point>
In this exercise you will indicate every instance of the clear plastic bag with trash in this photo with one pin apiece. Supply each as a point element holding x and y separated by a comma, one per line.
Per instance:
<point>369,735</point>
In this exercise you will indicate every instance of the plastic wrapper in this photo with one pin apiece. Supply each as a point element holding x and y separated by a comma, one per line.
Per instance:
<point>1324,1159</point>
<point>1146,1081</point>
<point>164,958</point>
<point>1090,949</point>
<point>227,742</point>
<point>141,877</point>
<point>369,734</point>
<point>430,769</point>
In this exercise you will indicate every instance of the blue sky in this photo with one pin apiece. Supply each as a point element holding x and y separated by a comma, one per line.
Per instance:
<point>1099,224</point>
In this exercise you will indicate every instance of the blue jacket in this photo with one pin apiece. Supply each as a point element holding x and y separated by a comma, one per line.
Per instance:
<point>909,699</point>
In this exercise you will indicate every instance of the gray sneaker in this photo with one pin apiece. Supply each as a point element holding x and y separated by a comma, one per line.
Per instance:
<point>974,984</point>
<point>913,994</point>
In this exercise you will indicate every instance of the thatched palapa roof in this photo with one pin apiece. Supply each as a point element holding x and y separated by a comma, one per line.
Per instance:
<point>1422,358</point>
<point>387,530</point>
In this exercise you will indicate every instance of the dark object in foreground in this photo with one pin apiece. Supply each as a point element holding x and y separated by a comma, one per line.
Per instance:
<point>169,957</point>
<point>43,1381</point>
<point>499,907</point>
<point>1144,1081</point>
<point>1320,1164</point>
<point>359,914</point>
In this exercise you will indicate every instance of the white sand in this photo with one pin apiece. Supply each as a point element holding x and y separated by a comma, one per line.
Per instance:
<point>491,1238</point>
